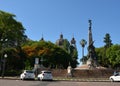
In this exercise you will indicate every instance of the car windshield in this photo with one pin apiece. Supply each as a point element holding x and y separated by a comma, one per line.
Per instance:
<point>116,73</point>
<point>47,72</point>
<point>29,71</point>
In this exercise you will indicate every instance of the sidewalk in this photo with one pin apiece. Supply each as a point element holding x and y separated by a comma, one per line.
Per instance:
<point>11,78</point>
<point>67,79</point>
<point>84,79</point>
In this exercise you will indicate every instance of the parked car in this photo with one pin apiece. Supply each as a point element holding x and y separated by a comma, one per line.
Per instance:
<point>115,77</point>
<point>27,74</point>
<point>45,75</point>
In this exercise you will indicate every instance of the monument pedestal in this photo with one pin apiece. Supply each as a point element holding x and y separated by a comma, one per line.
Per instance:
<point>69,71</point>
<point>89,61</point>
<point>36,66</point>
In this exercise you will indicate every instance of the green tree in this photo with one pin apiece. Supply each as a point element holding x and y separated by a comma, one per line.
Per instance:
<point>53,56</point>
<point>74,56</point>
<point>113,55</point>
<point>107,40</point>
<point>11,29</point>
<point>12,35</point>
<point>66,45</point>
<point>72,51</point>
<point>101,55</point>
<point>14,61</point>
<point>110,58</point>
<point>101,52</point>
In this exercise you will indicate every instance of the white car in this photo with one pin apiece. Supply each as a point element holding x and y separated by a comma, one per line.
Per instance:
<point>115,77</point>
<point>45,75</point>
<point>27,74</point>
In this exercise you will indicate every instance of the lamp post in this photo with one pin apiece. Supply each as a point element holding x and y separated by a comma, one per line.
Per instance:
<point>4,62</point>
<point>3,56</point>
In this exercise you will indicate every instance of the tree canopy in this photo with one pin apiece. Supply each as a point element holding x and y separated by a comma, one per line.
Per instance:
<point>54,56</point>
<point>12,35</point>
<point>113,55</point>
<point>107,40</point>
<point>11,29</point>
<point>109,55</point>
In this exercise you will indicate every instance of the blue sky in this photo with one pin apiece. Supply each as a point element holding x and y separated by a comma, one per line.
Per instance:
<point>69,17</point>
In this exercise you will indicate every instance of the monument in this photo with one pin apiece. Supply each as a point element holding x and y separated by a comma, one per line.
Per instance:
<point>91,62</point>
<point>92,59</point>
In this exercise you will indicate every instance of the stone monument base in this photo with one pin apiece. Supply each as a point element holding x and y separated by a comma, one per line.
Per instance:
<point>88,67</point>
<point>83,67</point>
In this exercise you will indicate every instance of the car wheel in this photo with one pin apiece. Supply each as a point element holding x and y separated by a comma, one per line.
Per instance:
<point>112,80</point>
<point>23,79</point>
<point>39,79</point>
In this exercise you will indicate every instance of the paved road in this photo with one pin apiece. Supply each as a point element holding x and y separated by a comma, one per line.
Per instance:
<point>55,83</point>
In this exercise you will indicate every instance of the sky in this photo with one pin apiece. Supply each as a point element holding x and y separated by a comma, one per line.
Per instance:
<point>50,18</point>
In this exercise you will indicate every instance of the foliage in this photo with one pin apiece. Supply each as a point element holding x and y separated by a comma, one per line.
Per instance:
<point>28,65</point>
<point>109,57</point>
<point>101,55</point>
<point>113,55</point>
<point>74,56</point>
<point>12,35</point>
<point>11,29</point>
<point>66,45</point>
<point>13,60</point>
<point>102,52</point>
<point>72,51</point>
<point>54,56</point>
<point>107,40</point>
<point>83,42</point>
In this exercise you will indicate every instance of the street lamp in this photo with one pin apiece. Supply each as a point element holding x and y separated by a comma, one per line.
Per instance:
<point>4,61</point>
<point>3,56</point>
<point>4,40</point>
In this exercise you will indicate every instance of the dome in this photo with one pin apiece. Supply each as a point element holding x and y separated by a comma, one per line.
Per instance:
<point>42,39</point>
<point>60,41</point>
<point>73,41</point>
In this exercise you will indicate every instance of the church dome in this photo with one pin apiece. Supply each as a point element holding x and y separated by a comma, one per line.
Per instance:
<point>73,41</point>
<point>60,41</point>
<point>42,39</point>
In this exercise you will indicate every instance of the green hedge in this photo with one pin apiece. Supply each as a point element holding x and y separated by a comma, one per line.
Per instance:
<point>13,72</point>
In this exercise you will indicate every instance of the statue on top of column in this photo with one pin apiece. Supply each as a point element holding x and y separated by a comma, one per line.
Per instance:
<point>92,59</point>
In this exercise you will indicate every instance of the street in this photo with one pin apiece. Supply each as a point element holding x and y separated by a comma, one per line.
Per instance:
<point>54,83</point>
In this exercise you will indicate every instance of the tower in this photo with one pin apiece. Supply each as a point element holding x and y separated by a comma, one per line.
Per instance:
<point>60,41</point>
<point>73,42</point>
<point>42,39</point>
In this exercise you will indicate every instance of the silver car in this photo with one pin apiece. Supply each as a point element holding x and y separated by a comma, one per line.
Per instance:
<point>27,74</point>
<point>45,75</point>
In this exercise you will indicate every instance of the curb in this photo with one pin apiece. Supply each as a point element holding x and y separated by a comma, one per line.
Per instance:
<point>64,79</point>
<point>84,80</point>
<point>10,78</point>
